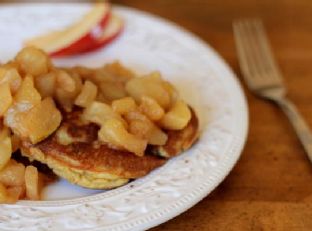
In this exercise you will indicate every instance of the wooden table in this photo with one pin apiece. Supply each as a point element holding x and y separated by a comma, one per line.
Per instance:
<point>271,186</point>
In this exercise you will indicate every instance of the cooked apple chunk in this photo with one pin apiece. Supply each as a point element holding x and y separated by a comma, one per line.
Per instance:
<point>87,95</point>
<point>65,81</point>
<point>33,61</point>
<point>153,134</point>
<point>151,108</point>
<point>64,99</point>
<point>66,95</point>
<point>32,183</point>
<point>124,105</point>
<point>27,93</point>
<point>138,87</point>
<point>141,126</point>
<point>118,72</point>
<point>98,113</point>
<point>46,84</point>
<point>174,95</point>
<point>177,117</point>
<point>13,117</point>
<point>157,136</point>
<point>10,75</point>
<point>114,132</point>
<point>5,151</point>
<point>41,120</point>
<point>4,132</point>
<point>112,90</point>
<point>5,98</point>
<point>12,174</point>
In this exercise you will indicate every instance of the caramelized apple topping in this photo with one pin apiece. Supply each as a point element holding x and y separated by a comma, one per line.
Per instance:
<point>132,112</point>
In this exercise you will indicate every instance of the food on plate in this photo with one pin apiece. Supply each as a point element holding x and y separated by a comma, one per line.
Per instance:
<point>40,121</point>
<point>5,97</point>
<point>13,174</point>
<point>177,116</point>
<point>33,61</point>
<point>100,166</point>
<point>32,183</point>
<point>93,136</point>
<point>96,29</point>
<point>9,74</point>
<point>5,150</point>
<point>87,95</point>
<point>179,140</point>
<point>83,160</point>
<point>109,33</point>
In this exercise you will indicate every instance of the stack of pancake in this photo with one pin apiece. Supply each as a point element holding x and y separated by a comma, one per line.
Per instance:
<point>88,163</point>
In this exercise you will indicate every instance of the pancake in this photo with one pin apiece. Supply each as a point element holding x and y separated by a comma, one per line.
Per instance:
<point>86,162</point>
<point>179,141</point>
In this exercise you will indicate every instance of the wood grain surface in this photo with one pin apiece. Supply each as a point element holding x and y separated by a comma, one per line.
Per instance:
<point>271,186</point>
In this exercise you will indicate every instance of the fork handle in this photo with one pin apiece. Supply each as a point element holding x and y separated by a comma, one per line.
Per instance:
<point>298,124</point>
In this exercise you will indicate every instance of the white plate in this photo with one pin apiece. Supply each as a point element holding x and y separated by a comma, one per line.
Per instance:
<point>205,82</point>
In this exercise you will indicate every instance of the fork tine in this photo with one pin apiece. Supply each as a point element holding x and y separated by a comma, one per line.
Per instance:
<point>247,63</point>
<point>260,34</point>
<point>246,52</point>
<point>254,50</point>
<point>256,59</point>
<point>259,46</point>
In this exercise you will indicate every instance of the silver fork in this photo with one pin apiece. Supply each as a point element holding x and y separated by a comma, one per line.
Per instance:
<point>263,76</point>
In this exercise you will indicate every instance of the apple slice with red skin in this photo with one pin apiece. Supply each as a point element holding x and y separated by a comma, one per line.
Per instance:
<point>98,38</point>
<point>82,43</point>
<point>113,29</point>
<point>72,38</point>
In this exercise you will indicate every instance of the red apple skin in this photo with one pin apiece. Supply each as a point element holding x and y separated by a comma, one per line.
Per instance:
<point>96,44</point>
<point>82,43</point>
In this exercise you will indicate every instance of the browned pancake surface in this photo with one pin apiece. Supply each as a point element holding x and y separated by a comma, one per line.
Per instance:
<point>88,154</point>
